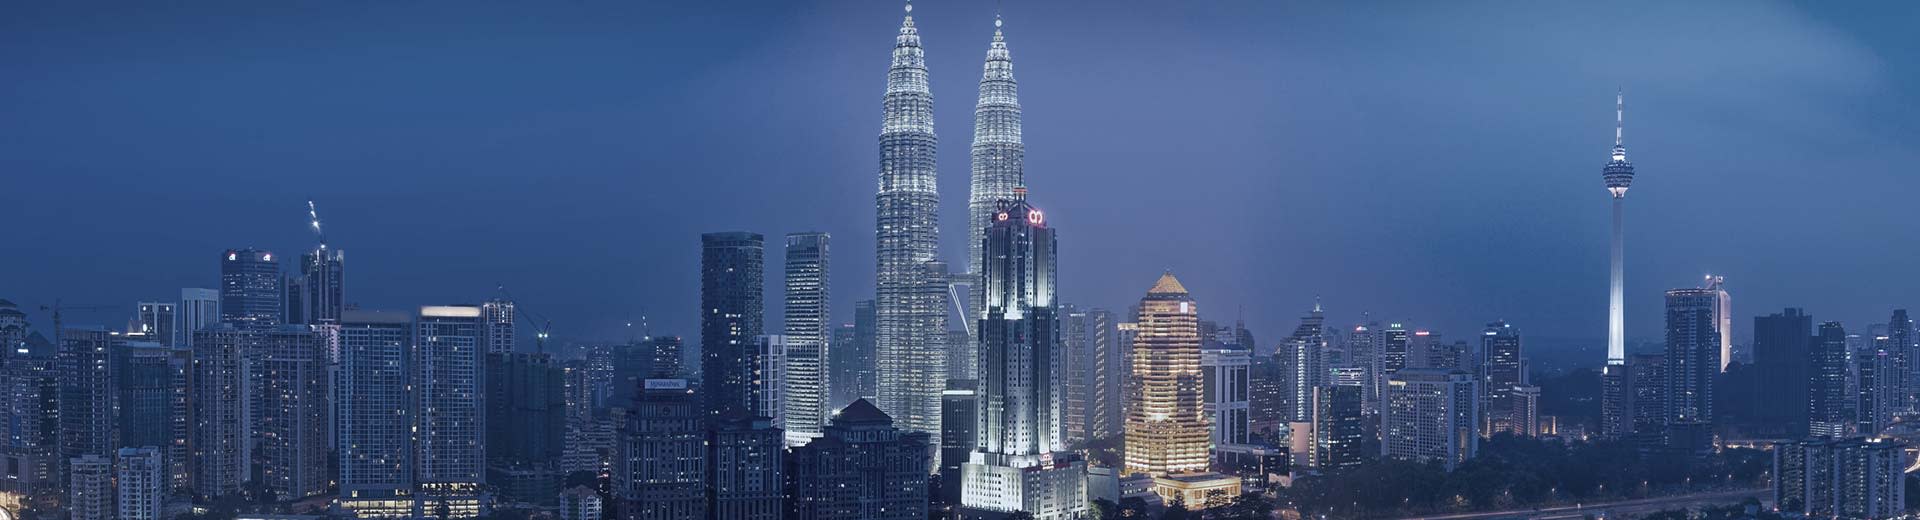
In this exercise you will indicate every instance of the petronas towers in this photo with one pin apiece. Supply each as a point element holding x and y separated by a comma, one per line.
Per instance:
<point>912,283</point>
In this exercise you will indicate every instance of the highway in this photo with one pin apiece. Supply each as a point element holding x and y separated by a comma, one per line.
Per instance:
<point>1612,509</point>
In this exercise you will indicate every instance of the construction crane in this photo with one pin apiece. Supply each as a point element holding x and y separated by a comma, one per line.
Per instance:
<point>541,327</point>
<point>59,327</point>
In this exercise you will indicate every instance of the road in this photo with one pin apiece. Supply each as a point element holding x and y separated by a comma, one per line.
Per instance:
<point>1623,507</point>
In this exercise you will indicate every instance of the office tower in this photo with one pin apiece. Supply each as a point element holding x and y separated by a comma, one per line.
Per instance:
<point>1305,363</point>
<point>221,394</point>
<point>526,426</point>
<point>1020,462</point>
<point>577,453</point>
<point>449,457</point>
<point>1874,397</point>
<point>154,322</point>
<point>660,469</point>
<point>910,281</point>
<point>318,295</point>
<point>1722,316</point>
<point>769,377</point>
<point>999,155</point>
<point>854,369</point>
<point>1337,427</point>
<point>1268,393</point>
<point>1363,352</point>
<point>496,323</point>
<point>861,467</point>
<point>730,307</point>
<point>1902,344</point>
<point>1693,352</point>
<point>1224,382</point>
<point>29,425</point>
<point>1167,429</point>
<point>1432,415</point>
<point>962,362</point>
<point>1524,418</point>
<point>1393,347</point>
<point>1108,394</point>
<point>745,470</point>
<point>141,482</point>
<point>580,503</point>
<point>1839,478</point>
<point>152,384</point>
<point>1615,409</point>
<point>841,369</point>
<point>250,288</point>
<point>90,492</point>
<point>13,330</point>
<point>86,392</point>
<point>199,309</point>
<point>1646,397</point>
<point>1828,401</point>
<point>807,322</point>
<point>601,365</point>
<point>291,368</point>
<point>376,414</point>
<point>1503,370</point>
<point>1076,374</point>
<point>960,413</point>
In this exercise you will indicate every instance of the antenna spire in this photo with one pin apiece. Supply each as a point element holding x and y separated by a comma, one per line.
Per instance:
<point>1619,115</point>
<point>313,216</point>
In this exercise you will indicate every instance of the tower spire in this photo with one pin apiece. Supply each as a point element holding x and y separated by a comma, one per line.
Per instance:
<point>1619,115</point>
<point>313,216</point>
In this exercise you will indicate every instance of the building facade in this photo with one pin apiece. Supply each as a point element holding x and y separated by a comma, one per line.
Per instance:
<point>1167,429</point>
<point>1432,415</point>
<point>449,452</point>
<point>376,414</point>
<point>250,288</point>
<point>731,267</point>
<point>808,381</point>
<point>860,467</point>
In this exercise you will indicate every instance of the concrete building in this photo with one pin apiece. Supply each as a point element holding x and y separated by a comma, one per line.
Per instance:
<point>1167,428</point>
<point>141,483</point>
<point>449,450</point>
<point>1432,415</point>
<point>376,414</point>
<point>861,467</point>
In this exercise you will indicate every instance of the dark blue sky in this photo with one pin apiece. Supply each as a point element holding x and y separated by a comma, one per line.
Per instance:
<point>1435,162</point>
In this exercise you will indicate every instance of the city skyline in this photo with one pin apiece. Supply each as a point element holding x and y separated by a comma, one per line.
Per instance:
<point>1568,239</point>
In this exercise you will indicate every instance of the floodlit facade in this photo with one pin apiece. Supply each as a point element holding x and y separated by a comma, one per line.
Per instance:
<point>1167,429</point>
<point>999,154</point>
<point>1616,406</point>
<point>808,382</point>
<point>911,283</point>
<point>1305,364</point>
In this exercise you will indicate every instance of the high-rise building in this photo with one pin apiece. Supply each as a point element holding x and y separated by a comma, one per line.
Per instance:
<point>1645,380</point>
<point>153,402</point>
<point>999,153</point>
<point>90,492</point>
<point>660,470</point>
<point>1839,478</point>
<point>318,295</point>
<point>449,455</point>
<point>960,412</point>
<point>140,479</point>
<point>29,423</point>
<point>1110,370</point>
<point>809,347</point>
<point>1167,430</point>
<point>376,414</point>
<point>1524,418</point>
<point>580,503</point>
<point>731,267</point>
<point>1615,406</point>
<point>1693,354</point>
<point>962,361</point>
<point>1338,427</point>
<point>769,377</point>
<point>1268,412</point>
<point>1432,415</point>
<point>861,467</point>
<point>911,284</point>
<point>496,323</point>
<point>1782,359</point>
<point>1020,462</point>
<point>1076,373</point>
<point>1722,316</point>
<point>292,374</point>
<point>1393,346</point>
<point>839,364</point>
<point>745,469</point>
<point>854,369</point>
<point>1829,412</point>
<point>87,392</point>
<point>154,322</point>
<point>1305,363</point>
<point>1224,381</point>
<point>1874,392</point>
<point>526,426</point>
<point>199,309</point>
<point>1903,345</point>
<point>1502,370</point>
<point>221,439</point>
<point>1362,351</point>
<point>250,288</point>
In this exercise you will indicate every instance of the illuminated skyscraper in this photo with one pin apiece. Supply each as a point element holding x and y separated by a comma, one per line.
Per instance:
<point>998,152</point>
<point>911,284</point>
<point>1305,364</point>
<point>199,309</point>
<point>1167,428</point>
<point>807,378</point>
<point>1722,316</point>
<point>730,318</point>
<point>1828,412</point>
<point>1431,415</point>
<point>1503,369</point>
<point>1693,352</point>
<point>141,481</point>
<point>1020,460</point>
<point>1108,395</point>
<point>250,288</point>
<point>449,455</point>
<point>318,295</point>
<point>1614,394</point>
<point>154,322</point>
<point>376,414</point>
<point>293,373</point>
<point>496,323</point>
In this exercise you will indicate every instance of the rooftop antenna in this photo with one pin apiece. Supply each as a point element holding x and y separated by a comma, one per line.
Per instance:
<point>313,216</point>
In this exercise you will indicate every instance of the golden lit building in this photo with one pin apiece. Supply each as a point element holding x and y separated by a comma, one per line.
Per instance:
<point>1167,430</point>
<point>1198,491</point>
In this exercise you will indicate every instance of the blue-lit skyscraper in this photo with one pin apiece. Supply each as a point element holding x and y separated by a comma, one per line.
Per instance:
<point>730,312</point>
<point>449,456</point>
<point>250,288</point>
<point>910,281</point>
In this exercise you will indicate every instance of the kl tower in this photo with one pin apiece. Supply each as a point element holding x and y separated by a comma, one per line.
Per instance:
<point>1616,407</point>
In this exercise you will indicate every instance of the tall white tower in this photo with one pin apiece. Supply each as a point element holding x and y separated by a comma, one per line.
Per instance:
<point>1618,175</point>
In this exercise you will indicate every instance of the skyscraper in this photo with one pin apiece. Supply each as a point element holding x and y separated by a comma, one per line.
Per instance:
<point>1019,461</point>
<point>154,321</point>
<point>862,467</point>
<point>376,414</point>
<point>90,491</point>
<point>1076,373</point>
<point>960,411</point>
<point>1305,363</point>
<point>250,288</point>
<point>660,469</point>
<point>745,470</point>
<point>1722,316</point>
<point>1693,354</point>
<point>29,424</point>
<point>496,323</point>
<point>769,377</point>
<point>1504,369</point>
<point>1166,427</point>
<point>1432,415</point>
<point>526,426</point>
<point>1783,360</point>
<point>1902,345</point>
<point>449,453</point>
<point>999,153</point>
<point>152,384</point>
<point>731,266</point>
<point>1337,427</point>
<point>292,370</point>
<point>854,369</point>
<point>86,392</point>
<point>808,302</point>
<point>141,482</point>
<point>1618,174</point>
<point>1828,404</point>
<point>1110,372</point>
<point>1224,381</point>
<point>910,281</point>
<point>199,309</point>
<point>221,393</point>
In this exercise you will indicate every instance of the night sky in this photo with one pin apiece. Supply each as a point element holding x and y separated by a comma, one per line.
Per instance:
<point>1437,162</point>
